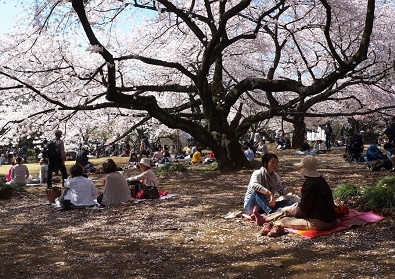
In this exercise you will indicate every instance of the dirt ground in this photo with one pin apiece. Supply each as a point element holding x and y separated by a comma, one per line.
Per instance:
<point>186,237</point>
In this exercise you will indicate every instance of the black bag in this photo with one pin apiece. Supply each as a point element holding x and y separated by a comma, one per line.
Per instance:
<point>150,192</point>
<point>50,150</point>
<point>66,205</point>
<point>376,165</point>
<point>135,187</point>
<point>99,198</point>
<point>387,164</point>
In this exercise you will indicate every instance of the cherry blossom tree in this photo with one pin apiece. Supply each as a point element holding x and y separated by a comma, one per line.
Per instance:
<point>212,69</point>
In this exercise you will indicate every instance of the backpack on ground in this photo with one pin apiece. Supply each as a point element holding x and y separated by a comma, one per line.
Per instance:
<point>387,164</point>
<point>376,165</point>
<point>49,150</point>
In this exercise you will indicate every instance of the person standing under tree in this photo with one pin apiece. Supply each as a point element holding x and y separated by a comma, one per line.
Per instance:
<point>57,161</point>
<point>328,136</point>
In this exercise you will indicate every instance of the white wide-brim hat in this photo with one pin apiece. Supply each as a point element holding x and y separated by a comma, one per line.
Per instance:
<point>308,166</point>
<point>145,162</point>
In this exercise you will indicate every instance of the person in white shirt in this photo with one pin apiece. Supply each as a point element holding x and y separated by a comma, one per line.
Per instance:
<point>79,190</point>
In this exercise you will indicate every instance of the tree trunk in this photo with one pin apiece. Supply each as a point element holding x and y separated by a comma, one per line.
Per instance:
<point>299,132</point>
<point>229,154</point>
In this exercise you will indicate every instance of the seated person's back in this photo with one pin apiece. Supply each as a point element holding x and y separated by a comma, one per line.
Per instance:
<point>305,146</point>
<point>81,190</point>
<point>248,153</point>
<point>19,173</point>
<point>158,155</point>
<point>197,156</point>
<point>116,188</point>
<point>82,158</point>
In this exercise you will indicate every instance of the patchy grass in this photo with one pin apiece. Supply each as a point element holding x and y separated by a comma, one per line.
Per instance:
<point>171,168</point>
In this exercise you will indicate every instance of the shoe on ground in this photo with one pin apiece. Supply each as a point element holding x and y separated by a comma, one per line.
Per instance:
<point>277,230</point>
<point>369,166</point>
<point>266,228</point>
<point>393,170</point>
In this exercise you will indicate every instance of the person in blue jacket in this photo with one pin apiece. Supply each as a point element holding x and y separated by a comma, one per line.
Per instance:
<point>373,152</point>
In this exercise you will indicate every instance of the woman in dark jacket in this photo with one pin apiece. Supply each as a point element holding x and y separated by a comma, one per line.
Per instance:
<point>316,210</point>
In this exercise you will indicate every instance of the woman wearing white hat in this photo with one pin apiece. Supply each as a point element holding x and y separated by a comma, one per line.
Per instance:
<point>147,176</point>
<point>316,210</point>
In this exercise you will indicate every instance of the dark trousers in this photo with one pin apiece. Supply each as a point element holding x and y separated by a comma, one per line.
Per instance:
<point>328,141</point>
<point>55,163</point>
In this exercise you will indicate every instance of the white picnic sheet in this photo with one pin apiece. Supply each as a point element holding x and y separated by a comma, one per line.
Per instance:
<point>97,206</point>
<point>168,196</point>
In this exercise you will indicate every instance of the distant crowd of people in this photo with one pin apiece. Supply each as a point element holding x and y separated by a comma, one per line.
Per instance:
<point>312,210</point>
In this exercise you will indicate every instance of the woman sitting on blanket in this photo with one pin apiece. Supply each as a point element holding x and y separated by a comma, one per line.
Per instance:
<point>147,176</point>
<point>264,183</point>
<point>19,173</point>
<point>316,210</point>
<point>116,188</point>
<point>79,191</point>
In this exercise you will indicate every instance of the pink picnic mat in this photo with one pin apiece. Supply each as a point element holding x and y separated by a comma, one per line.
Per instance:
<point>354,218</point>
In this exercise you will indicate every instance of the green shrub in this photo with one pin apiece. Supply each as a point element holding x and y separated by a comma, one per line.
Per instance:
<point>31,153</point>
<point>343,191</point>
<point>4,186</point>
<point>378,197</point>
<point>170,168</point>
<point>7,189</point>
<point>210,167</point>
<point>387,180</point>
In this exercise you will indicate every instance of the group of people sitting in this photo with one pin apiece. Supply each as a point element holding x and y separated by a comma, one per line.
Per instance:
<point>316,208</point>
<point>80,191</point>
<point>283,142</point>
<point>257,150</point>
<point>162,155</point>
<point>319,147</point>
<point>18,173</point>
<point>195,153</point>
